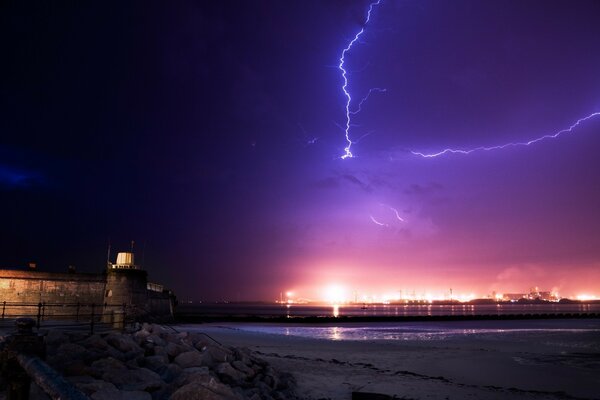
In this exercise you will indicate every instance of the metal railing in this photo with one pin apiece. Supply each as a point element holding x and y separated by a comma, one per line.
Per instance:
<point>70,315</point>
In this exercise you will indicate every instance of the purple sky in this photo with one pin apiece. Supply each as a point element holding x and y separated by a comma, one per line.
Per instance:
<point>210,134</point>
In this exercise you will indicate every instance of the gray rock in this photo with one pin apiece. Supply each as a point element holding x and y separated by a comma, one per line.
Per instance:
<point>154,362</point>
<point>230,375</point>
<point>194,375</point>
<point>201,391</point>
<point>123,343</point>
<point>107,364</point>
<point>115,394</point>
<point>142,334</point>
<point>170,372</point>
<point>94,342</point>
<point>219,354</point>
<point>158,329</point>
<point>195,370</point>
<point>94,385</point>
<point>173,349</point>
<point>134,379</point>
<point>156,339</point>
<point>271,378</point>
<point>190,359</point>
<point>242,367</point>
<point>243,354</point>
<point>74,368</point>
<point>193,338</point>
<point>160,351</point>
<point>72,351</point>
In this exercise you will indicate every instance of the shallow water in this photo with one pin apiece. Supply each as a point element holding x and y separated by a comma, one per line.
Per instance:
<point>567,333</point>
<point>381,310</point>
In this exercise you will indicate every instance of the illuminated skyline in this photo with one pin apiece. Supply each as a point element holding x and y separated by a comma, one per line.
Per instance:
<point>212,135</point>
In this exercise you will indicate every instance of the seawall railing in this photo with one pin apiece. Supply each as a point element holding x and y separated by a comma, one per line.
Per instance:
<point>70,315</point>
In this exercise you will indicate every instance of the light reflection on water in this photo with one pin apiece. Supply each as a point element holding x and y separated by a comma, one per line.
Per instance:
<point>336,310</point>
<point>417,333</point>
<point>382,310</point>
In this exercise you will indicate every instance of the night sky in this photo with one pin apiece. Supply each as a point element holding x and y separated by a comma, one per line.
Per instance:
<point>211,134</point>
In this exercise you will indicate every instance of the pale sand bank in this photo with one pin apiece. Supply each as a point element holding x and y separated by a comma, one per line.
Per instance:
<point>483,360</point>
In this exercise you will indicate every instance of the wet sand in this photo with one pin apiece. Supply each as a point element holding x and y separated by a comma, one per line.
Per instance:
<point>516,362</point>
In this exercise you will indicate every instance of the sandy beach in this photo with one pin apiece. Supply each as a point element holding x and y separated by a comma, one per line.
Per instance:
<point>485,360</point>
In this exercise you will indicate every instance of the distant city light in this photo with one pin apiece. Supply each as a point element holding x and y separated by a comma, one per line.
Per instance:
<point>341,294</point>
<point>586,297</point>
<point>335,294</point>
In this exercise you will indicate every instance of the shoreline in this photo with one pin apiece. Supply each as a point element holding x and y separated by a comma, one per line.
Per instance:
<point>521,365</point>
<point>181,318</point>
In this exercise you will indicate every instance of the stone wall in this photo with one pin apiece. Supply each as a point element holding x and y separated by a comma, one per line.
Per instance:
<point>61,292</point>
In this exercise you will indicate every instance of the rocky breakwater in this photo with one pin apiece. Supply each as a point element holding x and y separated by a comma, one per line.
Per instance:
<point>157,363</point>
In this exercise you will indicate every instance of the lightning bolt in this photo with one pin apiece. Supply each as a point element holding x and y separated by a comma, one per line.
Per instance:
<point>377,222</point>
<point>358,109</point>
<point>511,144</point>
<point>397,214</point>
<point>347,151</point>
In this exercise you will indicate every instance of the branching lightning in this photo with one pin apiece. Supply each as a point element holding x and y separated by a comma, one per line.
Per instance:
<point>511,144</point>
<point>347,151</point>
<point>351,112</point>
<point>359,108</point>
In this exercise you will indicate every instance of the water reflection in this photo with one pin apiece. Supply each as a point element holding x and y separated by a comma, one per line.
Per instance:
<point>336,310</point>
<point>335,333</point>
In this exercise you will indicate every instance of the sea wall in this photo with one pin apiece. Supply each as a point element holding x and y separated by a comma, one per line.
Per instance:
<point>18,288</point>
<point>60,293</point>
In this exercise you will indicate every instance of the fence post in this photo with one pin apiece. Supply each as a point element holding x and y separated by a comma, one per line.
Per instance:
<point>92,321</point>
<point>124,316</point>
<point>3,308</point>
<point>77,312</point>
<point>43,310</point>
<point>39,315</point>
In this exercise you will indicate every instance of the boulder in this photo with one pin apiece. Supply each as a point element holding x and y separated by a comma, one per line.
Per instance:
<point>72,351</point>
<point>123,343</point>
<point>115,394</point>
<point>142,334</point>
<point>230,375</point>
<point>242,367</point>
<point>194,375</point>
<point>219,354</point>
<point>200,391</point>
<point>75,368</point>
<point>271,378</point>
<point>173,349</point>
<point>107,364</point>
<point>191,359</point>
<point>156,339</point>
<point>134,379</point>
<point>169,372</point>
<point>154,362</point>
<point>95,385</point>
<point>160,351</point>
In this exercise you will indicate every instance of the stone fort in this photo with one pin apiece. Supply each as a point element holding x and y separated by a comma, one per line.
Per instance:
<point>123,287</point>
